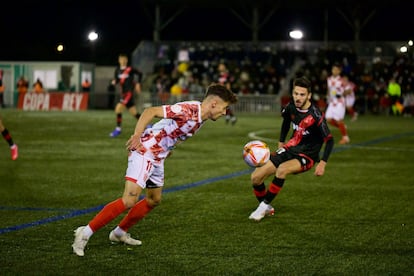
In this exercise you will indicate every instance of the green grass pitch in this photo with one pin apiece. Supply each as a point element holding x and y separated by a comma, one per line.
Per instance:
<point>357,219</point>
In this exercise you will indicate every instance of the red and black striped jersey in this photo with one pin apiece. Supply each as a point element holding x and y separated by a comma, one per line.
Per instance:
<point>310,131</point>
<point>127,77</point>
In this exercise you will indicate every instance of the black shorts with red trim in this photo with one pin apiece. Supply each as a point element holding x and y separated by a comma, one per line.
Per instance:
<point>127,99</point>
<point>283,155</point>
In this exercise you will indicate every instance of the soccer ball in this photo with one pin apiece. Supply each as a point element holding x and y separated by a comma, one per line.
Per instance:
<point>256,153</point>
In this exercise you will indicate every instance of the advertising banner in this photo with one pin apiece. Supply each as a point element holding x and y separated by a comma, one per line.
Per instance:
<point>60,101</point>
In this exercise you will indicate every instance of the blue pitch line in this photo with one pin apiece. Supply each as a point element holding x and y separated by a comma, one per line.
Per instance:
<point>373,142</point>
<point>206,181</point>
<point>7,208</point>
<point>76,213</point>
<point>50,219</point>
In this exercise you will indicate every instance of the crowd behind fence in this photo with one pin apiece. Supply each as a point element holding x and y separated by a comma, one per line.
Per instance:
<point>263,72</point>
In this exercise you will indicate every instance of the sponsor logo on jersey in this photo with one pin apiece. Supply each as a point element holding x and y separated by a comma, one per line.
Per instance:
<point>298,128</point>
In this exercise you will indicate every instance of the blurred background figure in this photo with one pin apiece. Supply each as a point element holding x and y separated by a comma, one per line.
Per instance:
<point>129,79</point>
<point>38,86</point>
<point>22,85</point>
<point>6,135</point>
<point>2,88</point>
<point>394,92</point>
<point>86,86</point>
<point>349,92</point>
<point>335,112</point>
<point>224,78</point>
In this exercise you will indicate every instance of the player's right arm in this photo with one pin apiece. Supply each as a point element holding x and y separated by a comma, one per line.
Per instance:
<point>285,127</point>
<point>146,118</point>
<point>115,79</point>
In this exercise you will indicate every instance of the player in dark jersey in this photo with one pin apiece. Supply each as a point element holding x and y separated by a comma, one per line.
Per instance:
<point>129,79</point>
<point>300,153</point>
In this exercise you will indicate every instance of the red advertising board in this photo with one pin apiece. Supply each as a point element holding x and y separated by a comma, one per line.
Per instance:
<point>62,101</point>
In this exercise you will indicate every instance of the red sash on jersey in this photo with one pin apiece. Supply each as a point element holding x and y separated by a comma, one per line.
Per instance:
<point>124,75</point>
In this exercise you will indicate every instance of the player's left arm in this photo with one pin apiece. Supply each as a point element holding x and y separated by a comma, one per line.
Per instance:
<point>329,144</point>
<point>320,168</point>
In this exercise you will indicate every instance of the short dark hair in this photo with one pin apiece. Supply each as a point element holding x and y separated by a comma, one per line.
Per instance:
<point>221,91</point>
<point>303,82</point>
<point>337,64</point>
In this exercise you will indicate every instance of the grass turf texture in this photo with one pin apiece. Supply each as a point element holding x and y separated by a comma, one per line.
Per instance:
<point>356,219</point>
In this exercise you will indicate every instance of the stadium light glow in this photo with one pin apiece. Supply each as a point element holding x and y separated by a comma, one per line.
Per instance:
<point>296,34</point>
<point>410,43</point>
<point>59,48</point>
<point>92,36</point>
<point>403,49</point>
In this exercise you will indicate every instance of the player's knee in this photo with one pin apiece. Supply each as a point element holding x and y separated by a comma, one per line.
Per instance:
<point>282,171</point>
<point>256,179</point>
<point>129,202</point>
<point>153,202</point>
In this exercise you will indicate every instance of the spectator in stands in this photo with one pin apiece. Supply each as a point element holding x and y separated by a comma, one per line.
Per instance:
<point>224,78</point>
<point>22,85</point>
<point>394,91</point>
<point>38,86</point>
<point>161,87</point>
<point>176,92</point>
<point>408,104</point>
<point>86,85</point>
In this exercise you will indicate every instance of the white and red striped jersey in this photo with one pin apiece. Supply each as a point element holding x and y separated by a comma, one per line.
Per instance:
<point>335,88</point>
<point>181,121</point>
<point>350,86</point>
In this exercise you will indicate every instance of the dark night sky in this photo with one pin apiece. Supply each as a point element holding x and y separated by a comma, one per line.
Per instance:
<point>31,30</point>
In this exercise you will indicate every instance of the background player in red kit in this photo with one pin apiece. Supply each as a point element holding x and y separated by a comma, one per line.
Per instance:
<point>129,79</point>
<point>148,148</point>
<point>6,135</point>
<point>299,154</point>
<point>349,92</point>
<point>335,112</point>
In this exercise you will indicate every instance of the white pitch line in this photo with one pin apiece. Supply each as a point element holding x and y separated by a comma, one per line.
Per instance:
<point>255,135</point>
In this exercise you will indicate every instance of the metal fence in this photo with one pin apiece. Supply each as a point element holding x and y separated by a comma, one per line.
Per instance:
<point>258,104</point>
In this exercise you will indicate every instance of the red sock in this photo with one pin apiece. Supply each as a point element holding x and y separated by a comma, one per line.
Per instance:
<point>107,214</point>
<point>274,189</point>
<point>139,211</point>
<point>259,191</point>
<point>342,128</point>
<point>334,123</point>
<point>118,119</point>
